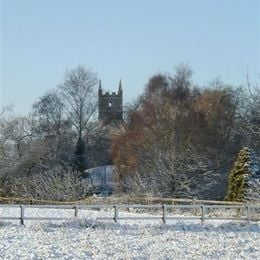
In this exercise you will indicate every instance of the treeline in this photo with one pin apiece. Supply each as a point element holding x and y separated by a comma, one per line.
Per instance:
<point>177,139</point>
<point>44,155</point>
<point>180,140</point>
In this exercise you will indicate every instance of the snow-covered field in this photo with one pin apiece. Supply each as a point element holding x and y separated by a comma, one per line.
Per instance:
<point>88,238</point>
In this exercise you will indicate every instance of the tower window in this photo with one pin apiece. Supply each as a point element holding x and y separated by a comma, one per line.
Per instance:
<point>110,103</point>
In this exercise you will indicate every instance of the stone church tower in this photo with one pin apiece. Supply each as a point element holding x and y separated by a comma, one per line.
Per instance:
<point>110,105</point>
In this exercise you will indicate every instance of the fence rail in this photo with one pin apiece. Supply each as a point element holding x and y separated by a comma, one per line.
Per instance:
<point>93,200</point>
<point>246,213</point>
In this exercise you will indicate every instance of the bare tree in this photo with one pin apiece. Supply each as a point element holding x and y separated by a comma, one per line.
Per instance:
<point>6,157</point>
<point>252,116</point>
<point>78,90</point>
<point>48,111</point>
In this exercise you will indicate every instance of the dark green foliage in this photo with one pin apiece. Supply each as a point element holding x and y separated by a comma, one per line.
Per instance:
<point>98,147</point>
<point>79,160</point>
<point>239,175</point>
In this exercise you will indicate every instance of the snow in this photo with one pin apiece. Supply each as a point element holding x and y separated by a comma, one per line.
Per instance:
<point>86,237</point>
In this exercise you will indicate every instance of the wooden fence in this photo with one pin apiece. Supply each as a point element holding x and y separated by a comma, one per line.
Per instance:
<point>202,213</point>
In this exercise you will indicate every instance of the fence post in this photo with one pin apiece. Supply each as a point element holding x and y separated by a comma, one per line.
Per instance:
<point>76,212</point>
<point>248,215</point>
<point>164,214</point>
<point>202,214</point>
<point>22,215</point>
<point>115,213</point>
<point>194,209</point>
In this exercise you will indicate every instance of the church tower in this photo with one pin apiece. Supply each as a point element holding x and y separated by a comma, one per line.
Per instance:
<point>110,105</point>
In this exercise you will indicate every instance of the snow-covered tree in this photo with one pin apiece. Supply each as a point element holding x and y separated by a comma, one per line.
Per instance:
<point>253,194</point>
<point>253,181</point>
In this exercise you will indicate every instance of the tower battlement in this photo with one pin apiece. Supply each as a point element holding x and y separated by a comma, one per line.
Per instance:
<point>109,94</point>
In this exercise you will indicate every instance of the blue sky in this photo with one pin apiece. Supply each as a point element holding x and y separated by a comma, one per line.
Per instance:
<point>129,40</point>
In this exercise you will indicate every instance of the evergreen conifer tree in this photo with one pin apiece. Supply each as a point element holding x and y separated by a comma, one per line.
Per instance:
<point>244,172</point>
<point>80,162</point>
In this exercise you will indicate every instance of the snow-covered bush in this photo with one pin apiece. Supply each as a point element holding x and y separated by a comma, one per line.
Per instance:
<point>253,192</point>
<point>57,184</point>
